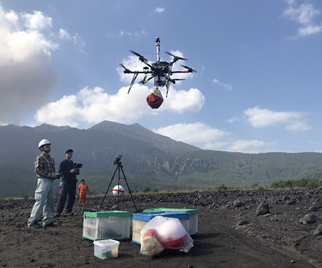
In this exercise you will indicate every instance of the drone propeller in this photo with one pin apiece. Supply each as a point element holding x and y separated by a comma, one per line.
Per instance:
<point>125,69</point>
<point>189,69</point>
<point>140,56</point>
<point>176,57</point>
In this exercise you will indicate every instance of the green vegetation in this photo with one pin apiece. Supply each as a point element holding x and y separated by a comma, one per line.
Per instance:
<point>306,183</point>
<point>146,189</point>
<point>222,187</point>
<point>300,183</point>
<point>257,186</point>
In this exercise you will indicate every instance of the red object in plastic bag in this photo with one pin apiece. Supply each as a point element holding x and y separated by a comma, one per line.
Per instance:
<point>154,99</point>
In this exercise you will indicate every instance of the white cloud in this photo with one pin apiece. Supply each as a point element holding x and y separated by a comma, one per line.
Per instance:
<point>233,119</point>
<point>26,75</point>
<point>182,101</point>
<point>303,14</point>
<point>136,34</point>
<point>313,142</point>
<point>91,106</point>
<point>244,146</point>
<point>159,9</point>
<point>208,138</point>
<point>76,39</point>
<point>191,133</point>
<point>63,34</point>
<point>12,17</point>
<point>247,145</point>
<point>309,30</point>
<point>79,42</point>
<point>227,86</point>
<point>37,21</point>
<point>297,126</point>
<point>262,118</point>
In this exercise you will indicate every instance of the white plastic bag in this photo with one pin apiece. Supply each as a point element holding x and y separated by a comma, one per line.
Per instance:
<point>162,233</point>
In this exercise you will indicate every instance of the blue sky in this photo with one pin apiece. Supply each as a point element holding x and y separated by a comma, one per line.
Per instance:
<point>257,86</point>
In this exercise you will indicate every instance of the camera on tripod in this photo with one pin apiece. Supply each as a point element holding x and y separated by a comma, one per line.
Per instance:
<point>117,160</point>
<point>118,171</point>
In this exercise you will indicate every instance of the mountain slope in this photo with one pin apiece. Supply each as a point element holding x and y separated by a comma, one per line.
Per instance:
<point>149,159</point>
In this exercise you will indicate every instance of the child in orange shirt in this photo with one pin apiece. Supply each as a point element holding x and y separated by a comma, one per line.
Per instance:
<point>82,191</point>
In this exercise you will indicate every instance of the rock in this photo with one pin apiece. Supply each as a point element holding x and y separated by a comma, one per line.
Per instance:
<point>262,209</point>
<point>313,208</point>
<point>242,222</point>
<point>308,219</point>
<point>290,202</point>
<point>237,203</point>
<point>318,230</point>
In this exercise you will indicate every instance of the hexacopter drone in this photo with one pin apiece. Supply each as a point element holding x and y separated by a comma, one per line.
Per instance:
<point>161,71</point>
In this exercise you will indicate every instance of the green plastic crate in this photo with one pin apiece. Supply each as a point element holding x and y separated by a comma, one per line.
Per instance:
<point>103,225</point>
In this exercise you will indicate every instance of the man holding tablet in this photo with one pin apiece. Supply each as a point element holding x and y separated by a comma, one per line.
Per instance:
<point>69,169</point>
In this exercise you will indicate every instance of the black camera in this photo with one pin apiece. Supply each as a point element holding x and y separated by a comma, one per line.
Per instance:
<point>117,160</point>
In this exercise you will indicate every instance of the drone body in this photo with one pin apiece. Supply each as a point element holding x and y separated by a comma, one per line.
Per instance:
<point>160,71</point>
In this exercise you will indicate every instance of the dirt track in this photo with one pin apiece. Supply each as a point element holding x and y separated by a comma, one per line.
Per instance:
<point>230,234</point>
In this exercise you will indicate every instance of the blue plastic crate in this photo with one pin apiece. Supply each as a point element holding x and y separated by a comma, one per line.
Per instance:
<point>139,220</point>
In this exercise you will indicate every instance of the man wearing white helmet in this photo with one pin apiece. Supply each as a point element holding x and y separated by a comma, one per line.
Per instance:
<point>45,191</point>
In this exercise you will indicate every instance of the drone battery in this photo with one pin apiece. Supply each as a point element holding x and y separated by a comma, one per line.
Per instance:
<point>107,225</point>
<point>193,216</point>
<point>139,220</point>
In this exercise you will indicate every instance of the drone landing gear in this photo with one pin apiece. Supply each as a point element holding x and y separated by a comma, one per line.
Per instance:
<point>118,170</point>
<point>132,82</point>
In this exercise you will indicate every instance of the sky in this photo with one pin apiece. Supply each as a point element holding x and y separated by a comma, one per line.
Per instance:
<point>257,88</point>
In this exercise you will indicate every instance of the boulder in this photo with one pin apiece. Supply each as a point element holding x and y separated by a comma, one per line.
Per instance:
<point>262,209</point>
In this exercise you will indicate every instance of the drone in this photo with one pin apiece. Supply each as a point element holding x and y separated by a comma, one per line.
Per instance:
<point>161,71</point>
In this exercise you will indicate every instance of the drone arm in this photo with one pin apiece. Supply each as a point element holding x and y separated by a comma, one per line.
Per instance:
<point>146,80</point>
<point>178,72</point>
<point>146,63</point>
<point>170,64</point>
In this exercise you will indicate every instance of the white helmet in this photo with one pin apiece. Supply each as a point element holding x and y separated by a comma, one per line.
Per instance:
<point>43,142</point>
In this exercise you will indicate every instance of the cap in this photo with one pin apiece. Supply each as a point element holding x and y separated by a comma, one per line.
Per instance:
<point>69,151</point>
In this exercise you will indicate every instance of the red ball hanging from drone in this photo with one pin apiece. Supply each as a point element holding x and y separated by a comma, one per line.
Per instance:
<point>160,71</point>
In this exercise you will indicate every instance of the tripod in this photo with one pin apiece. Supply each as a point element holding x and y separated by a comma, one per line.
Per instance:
<point>118,169</point>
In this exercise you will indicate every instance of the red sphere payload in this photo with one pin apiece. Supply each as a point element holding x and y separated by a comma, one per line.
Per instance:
<point>154,99</point>
<point>172,235</point>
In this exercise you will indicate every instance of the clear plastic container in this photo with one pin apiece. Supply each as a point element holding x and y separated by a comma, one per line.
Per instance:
<point>106,249</point>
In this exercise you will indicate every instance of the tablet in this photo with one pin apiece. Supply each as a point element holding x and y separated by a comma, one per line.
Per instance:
<point>78,165</point>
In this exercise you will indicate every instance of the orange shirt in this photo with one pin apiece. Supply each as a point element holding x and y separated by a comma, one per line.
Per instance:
<point>83,188</point>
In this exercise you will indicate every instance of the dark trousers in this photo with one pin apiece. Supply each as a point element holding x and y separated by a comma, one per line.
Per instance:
<point>68,190</point>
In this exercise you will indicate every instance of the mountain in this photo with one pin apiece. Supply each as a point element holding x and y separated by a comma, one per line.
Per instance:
<point>148,160</point>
